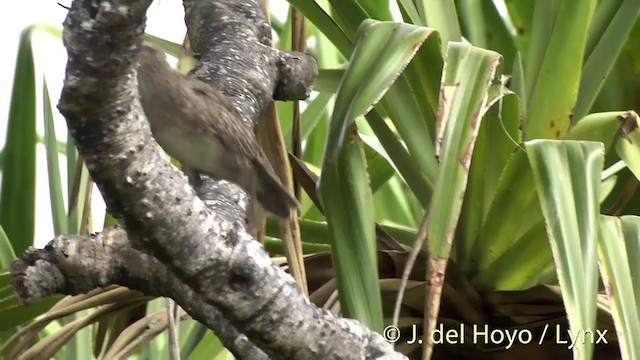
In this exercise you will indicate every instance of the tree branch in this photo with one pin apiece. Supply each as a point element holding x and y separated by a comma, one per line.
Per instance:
<point>213,262</point>
<point>233,40</point>
<point>105,259</point>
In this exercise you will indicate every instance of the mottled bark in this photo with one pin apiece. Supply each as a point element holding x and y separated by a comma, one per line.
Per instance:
<point>197,253</point>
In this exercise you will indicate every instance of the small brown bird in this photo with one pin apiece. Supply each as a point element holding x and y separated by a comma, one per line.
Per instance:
<point>198,125</point>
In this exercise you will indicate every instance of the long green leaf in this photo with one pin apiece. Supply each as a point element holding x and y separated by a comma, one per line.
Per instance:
<point>412,128</point>
<point>58,211</point>
<point>7,255</point>
<point>325,23</point>
<point>605,53</point>
<point>498,137</point>
<point>602,127</point>
<point>349,15</point>
<point>348,205</point>
<point>618,246</point>
<point>567,175</point>
<point>521,14</point>
<point>381,53</point>
<point>411,103</point>
<point>376,9</point>
<point>400,158</point>
<point>17,196</point>
<point>410,12</point>
<point>344,185</point>
<point>526,258</point>
<point>464,94</point>
<point>515,194</point>
<point>441,15</point>
<point>560,34</point>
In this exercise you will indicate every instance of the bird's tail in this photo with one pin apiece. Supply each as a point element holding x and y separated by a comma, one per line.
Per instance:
<point>272,195</point>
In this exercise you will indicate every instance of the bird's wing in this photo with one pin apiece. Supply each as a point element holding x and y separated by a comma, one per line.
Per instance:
<point>225,122</point>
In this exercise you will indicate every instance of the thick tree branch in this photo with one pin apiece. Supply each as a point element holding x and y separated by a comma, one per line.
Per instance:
<point>233,40</point>
<point>105,259</point>
<point>207,252</point>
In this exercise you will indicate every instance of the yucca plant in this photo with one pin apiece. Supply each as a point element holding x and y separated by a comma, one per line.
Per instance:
<point>505,142</point>
<point>513,198</point>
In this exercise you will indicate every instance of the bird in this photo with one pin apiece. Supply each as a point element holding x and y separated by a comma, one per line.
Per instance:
<point>200,127</point>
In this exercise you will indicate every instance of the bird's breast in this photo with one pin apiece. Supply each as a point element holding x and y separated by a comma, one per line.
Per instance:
<point>207,154</point>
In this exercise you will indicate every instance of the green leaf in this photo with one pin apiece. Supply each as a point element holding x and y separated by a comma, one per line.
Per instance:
<point>527,257</point>
<point>410,12</point>
<point>382,51</point>
<point>628,146</point>
<point>7,255</point>
<point>349,14</point>
<point>484,27</point>
<point>602,127</point>
<point>311,116</point>
<point>378,166</point>
<point>348,206</point>
<point>325,23</point>
<point>209,345</point>
<point>376,9</point>
<point>521,14</point>
<point>409,121</point>
<point>618,246</point>
<point>498,138</point>
<point>400,158</point>
<point>555,64</point>
<point>567,176</point>
<point>606,45</point>
<point>169,47</point>
<point>468,73</point>
<point>58,211</point>
<point>441,15</point>
<point>515,194</point>
<point>344,185</point>
<point>17,205</point>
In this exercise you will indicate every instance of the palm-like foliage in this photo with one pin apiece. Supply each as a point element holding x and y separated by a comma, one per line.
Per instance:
<point>491,150</point>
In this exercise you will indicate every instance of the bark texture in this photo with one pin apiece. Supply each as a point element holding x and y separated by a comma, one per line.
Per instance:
<point>193,249</point>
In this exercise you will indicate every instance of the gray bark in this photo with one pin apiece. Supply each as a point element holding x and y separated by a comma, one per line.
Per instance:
<point>192,249</point>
